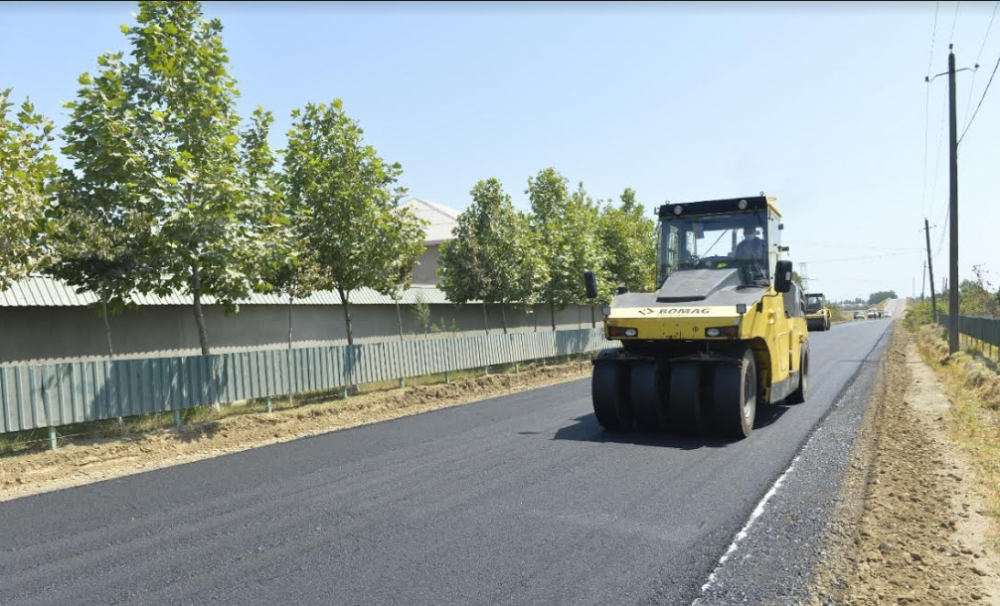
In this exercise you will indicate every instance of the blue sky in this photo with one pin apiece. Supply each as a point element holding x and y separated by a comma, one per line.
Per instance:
<point>824,107</point>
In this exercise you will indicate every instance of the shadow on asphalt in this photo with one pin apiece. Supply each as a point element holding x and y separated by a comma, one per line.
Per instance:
<point>586,429</point>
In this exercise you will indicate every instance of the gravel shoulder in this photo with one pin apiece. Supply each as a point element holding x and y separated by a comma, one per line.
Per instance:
<point>912,527</point>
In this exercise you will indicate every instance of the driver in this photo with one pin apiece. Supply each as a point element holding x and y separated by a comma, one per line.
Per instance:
<point>752,247</point>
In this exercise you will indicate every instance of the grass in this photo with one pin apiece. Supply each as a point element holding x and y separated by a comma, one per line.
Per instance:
<point>973,386</point>
<point>38,439</point>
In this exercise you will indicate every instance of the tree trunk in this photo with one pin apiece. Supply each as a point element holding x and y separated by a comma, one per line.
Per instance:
<point>111,349</point>
<point>503,318</point>
<point>199,317</point>
<point>107,329</point>
<point>486,321</point>
<point>593,317</point>
<point>346,304</point>
<point>291,299</point>
<point>534,312</point>
<point>552,310</point>
<point>399,320</point>
<point>345,301</point>
<point>290,357</point>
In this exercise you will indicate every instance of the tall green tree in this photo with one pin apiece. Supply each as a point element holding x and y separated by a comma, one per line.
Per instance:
<point>491,257</point>
<point>26,170</point>
<point>283,260</point>
<point>100,234</point>
<point>405,261</point>
<point>349,193</point>
<point>204,227</point>
<point>180,179</point>
<point>585,251</point>
<point>566,239</point>
<point>463,266</point>
<point>628,242</point>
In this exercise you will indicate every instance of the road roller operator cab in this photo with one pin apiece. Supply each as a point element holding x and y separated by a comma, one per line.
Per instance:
<point>724,332</point>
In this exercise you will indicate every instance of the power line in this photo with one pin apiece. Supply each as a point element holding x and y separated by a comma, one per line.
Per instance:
<point>927,129</point>
<point>946,218</point>
<point>937,161</point>
<point>981,99</point>
<point>930,59</point>
<point>954,21</point>
<point>927,105</point>
<point>988,28</point>
<point>898,254</point>
<point>982,47</point>
<point>850,247</point>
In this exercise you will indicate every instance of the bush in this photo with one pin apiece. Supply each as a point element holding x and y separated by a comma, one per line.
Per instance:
<point>836,313</point>
<point>919,314</point>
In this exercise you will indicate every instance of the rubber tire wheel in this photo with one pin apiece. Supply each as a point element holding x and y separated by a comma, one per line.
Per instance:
<point>647,397</point>
<point>734,405</point>
<point>685,405</point>
<point>610,406</point>
<point>799,395</point>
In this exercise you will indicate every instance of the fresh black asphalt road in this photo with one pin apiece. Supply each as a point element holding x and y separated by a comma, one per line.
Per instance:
<point>518,500</point>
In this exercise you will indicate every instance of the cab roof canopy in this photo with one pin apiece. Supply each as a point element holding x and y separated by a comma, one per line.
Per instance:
<point>712,207</point>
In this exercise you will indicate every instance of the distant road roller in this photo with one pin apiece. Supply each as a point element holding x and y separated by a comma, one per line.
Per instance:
<point>818,316</point>
<point>724,332</point>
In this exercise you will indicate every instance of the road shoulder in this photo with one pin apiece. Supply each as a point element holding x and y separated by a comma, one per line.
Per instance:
<point>774,558</point>
<point>911,527</point>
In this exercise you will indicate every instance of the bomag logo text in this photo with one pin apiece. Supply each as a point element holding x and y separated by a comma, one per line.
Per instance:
<point>683,311</point>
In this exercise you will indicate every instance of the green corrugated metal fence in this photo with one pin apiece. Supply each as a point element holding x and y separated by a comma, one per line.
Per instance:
<point>50,395</point>
<point>984,330</point>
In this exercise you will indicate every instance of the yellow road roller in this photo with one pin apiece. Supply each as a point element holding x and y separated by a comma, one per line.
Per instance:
<point>724,332</point>
<point>818,316</point>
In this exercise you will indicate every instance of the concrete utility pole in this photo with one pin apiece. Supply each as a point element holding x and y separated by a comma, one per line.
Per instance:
<point>954,281</point>
<point>930,270</point>
<point>953,206</point>
<point>923,281</point>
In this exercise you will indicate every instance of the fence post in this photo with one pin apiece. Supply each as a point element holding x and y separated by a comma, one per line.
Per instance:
<point>447,377</point>
<point>267,405</point>
<point>993,336</point>
<point>53,438</point>
<point>177,417</point>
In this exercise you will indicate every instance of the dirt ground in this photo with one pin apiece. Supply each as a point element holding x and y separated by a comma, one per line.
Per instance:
<point>83,462</point>
<point>914,531</point>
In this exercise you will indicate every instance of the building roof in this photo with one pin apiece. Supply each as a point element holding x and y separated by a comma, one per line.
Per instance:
<point>41,291</point>
<point>440,219</point>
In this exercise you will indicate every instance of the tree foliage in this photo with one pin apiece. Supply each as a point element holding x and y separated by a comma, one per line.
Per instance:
<point>155,146</point>
<point>26,170</point>
<point>628,240</point>
<point>565,227</point>
<point>100,234</point>
<point>978,297</point>
<point>491,257</point>
<point>882,295</point>
<point>349,194</point>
